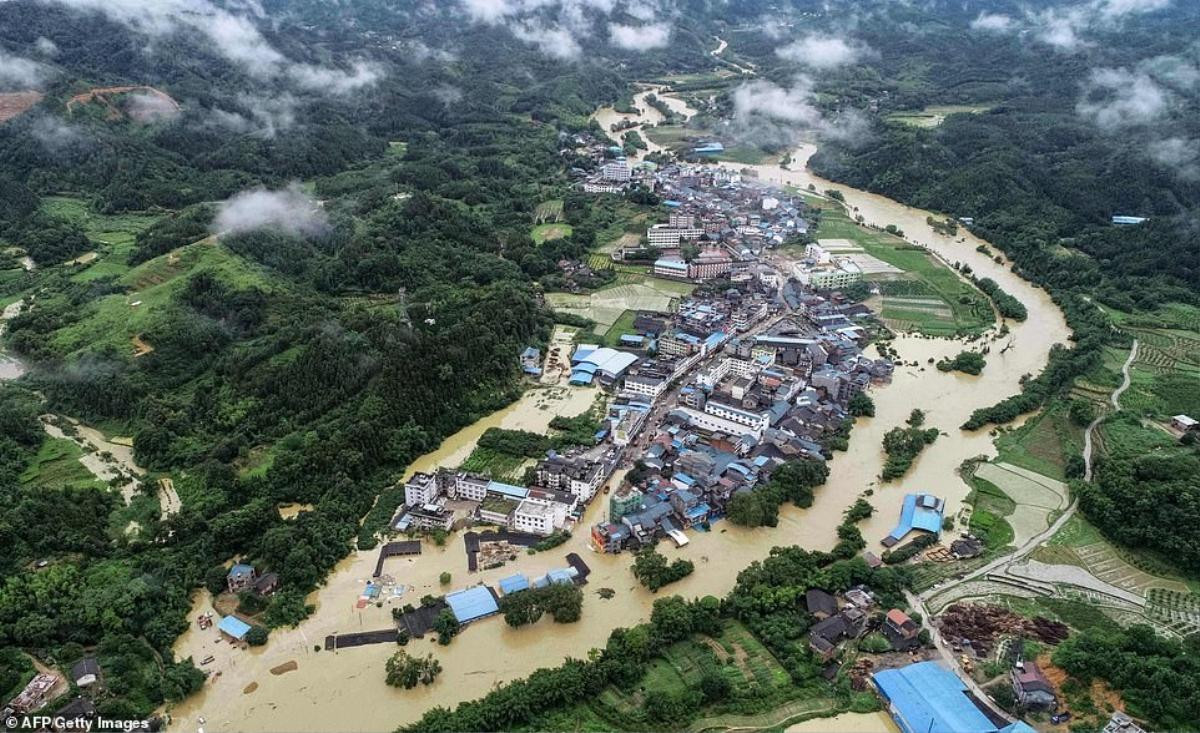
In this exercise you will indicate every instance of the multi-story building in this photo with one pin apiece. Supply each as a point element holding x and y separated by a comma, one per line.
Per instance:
<point>671,267</point>
<point>757,421</point>
<point>470,486</point>
<point>677,343</point>
<point>533,517</point>
<point>661,236</point>
<point>573,475</point>
<point>422,488</point>
<point>617,170</point>
<point>710,263</point>
<point>681,221</point>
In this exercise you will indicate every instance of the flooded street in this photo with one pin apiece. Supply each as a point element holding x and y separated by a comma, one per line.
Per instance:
<point>345,691</point>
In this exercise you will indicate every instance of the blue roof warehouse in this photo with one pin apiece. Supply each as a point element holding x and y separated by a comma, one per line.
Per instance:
<point>928,698</point>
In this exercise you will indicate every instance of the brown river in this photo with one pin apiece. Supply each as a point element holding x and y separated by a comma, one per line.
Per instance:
<point>345,691</point>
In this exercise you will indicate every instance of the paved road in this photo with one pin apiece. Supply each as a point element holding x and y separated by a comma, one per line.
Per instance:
<point>918,601</point>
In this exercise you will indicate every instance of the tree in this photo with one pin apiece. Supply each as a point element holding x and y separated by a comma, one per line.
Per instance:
<point>444,578</point>
<point>446,626</point>
<point>1082,412</point>
<point>407,671</point>
<point>257,635</point>
<point>861,405</point>
<point>652,571</point>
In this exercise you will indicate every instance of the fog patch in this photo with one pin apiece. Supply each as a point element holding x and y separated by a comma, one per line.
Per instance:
<point>639,37</point>
<point>288,210</point>
<point>823,52</point>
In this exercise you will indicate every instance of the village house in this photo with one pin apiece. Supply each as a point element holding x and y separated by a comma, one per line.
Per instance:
<point>240,577</point>
<point>1031,686</point>
<point>900,630</point>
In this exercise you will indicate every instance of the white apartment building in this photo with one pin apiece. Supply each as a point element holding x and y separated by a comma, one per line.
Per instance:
<point>665,235</point>
<point>758,421</point>
<point>716,424</point>
<point>470,487</point>
<point>421,489</point>
<point>617,170</point>
<point>681,221</point>
<point>533,517</point>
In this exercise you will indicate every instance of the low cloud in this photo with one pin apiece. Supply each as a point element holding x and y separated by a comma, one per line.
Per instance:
<point>55,135</point>
<point>823,52</point>
<point>639,37</point>
<point>1118,98</point>
<point>288,210</point>
<point>448,95</point>
<point>149,108</point>
<point>18,73</point>
<point>233,35</point>
<point>556,42</point>
<point>1067,28</point>
<point>1144,105</point>
<point>995,22</point>
<point>46,47</point>
<point>262,116</point>
<point>765,113</point>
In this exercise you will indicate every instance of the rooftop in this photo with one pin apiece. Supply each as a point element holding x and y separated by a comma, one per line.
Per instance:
<point>472,603</point>
<point>928,698</point>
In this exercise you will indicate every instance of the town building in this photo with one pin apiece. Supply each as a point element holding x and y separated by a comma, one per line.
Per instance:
<point>576,476</point>
<point>900,630</point>
<point>617,170</point>
<point>422,488</point>
<point>672,267</point>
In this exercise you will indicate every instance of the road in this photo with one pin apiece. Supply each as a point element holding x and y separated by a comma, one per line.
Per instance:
<point>918,601</point>
<point>1115,399</point>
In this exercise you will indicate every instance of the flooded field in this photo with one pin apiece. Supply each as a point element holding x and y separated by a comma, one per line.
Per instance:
<point>608,116</point>
<point>345,691</point>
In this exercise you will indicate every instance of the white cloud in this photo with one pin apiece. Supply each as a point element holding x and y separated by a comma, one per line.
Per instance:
<point>556,42</point>
<point>46,47</point>
<point>1119,98</point>
<point>448,95</point>
<point>54,134</point>
<point>1177,153</point>
<point>261,116</point>
<point>20,73</point>
<point>639,37</point>
<point>1118,8</point>
<point>823,52</point>
<point>995,22</point>
<point>233,35</point>
<point>767,113</point>
<point>289,210</point>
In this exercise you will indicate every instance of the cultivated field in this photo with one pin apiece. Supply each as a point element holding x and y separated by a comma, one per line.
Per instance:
<point>606,306</point>
<point>1035,497</point>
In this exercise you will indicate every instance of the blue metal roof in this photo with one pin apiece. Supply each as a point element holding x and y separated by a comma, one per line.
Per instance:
<point>514,583</point>
<point>698,511</point>
<point>240,570</point>
<point>928,698</point>
<point>234,626</point>
<point>472,603</point>
<point>920,511</point>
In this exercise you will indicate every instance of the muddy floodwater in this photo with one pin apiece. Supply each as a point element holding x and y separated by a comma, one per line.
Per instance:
<point>648,117</point>
<point>345,691</point>
<point>10,366</point>
<point>848,723</point>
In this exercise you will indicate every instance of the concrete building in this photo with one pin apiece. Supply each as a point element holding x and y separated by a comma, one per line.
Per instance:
<point>1031,686</point>
<point>534,517</point>
<point>617,170</point>
<point>575,476</point>
<point>422,488</point>
<point>845,274</point>
<point>756,421</point>
<point>671,267</point>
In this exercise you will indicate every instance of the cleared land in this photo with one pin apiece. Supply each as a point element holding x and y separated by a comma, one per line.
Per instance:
<point>15,104</point>
<point>935,115</point>
<point>1035,497</point>
<point>546,232</point>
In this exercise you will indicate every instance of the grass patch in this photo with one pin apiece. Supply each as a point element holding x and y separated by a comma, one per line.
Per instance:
<point>114,235</point>
<point>498,465</point>
<point>1044,443</point>
<point>546,232</point>
<point>935,115</point>
<point>57,465</point>
<point>623,325</point>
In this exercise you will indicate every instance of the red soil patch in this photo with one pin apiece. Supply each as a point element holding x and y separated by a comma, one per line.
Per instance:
<point>14,104</point>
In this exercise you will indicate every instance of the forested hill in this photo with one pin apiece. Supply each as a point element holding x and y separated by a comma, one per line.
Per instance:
<point>322,262</point>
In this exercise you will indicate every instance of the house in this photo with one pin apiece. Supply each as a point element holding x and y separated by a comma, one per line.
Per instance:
<point>860,597</point>
<point>86,672</point>
<point>823,637</point>
<point>531,361</point>
<point>233,628</point>
<point>820,604</point>
<point>900,630</point>
<point>1031,686</point>
<point>241,577</point>
<point>1121,723</point>
<point>267,584</point>
<point>1184,423</point>
<point>610,537</point>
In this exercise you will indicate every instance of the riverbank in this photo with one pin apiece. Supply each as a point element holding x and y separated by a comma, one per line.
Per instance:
<point>346,690</point>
